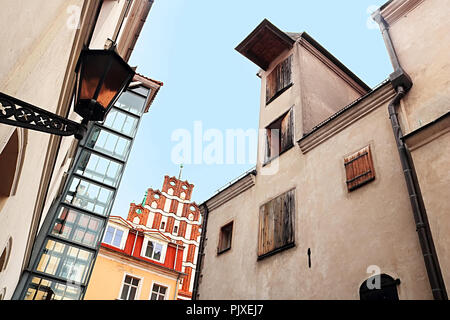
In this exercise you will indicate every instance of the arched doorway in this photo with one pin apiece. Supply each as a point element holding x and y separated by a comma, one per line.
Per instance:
<point>379,287</point>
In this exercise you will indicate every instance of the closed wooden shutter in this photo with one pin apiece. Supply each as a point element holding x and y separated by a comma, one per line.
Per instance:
<point>276,224</point>
<point>278,79</point>
<point>359,169</point>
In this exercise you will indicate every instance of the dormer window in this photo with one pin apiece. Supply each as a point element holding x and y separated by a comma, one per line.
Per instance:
<point>279,80</point>
<point>154,250</point>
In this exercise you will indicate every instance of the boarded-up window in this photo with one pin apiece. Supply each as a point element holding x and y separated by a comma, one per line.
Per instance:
<point>278,80</point>
<point>225,236</point>
<point>359,169</point>
<point>280,135</point>
<point>276,224</point>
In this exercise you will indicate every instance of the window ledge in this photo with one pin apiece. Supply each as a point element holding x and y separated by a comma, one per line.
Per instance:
<point>223,251</point>
<point>279,93</point>
<point>275,251</point>
<point>266,162</point>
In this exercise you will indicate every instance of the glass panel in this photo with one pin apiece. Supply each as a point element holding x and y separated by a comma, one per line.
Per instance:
<point>131,102</point>
<point>142,90</point>
<point>78,227</point>
<point>109,143</point>
<point>149,250</point>
<point>124,294</point>
<point>118,238</point>
<point>99,168</point>
<point>89,196</point>
<point>43,289</point>
<point>157,253</point>
<point>109,235</point>
<point>132,293</point>
<point>154,296</point>
<point>65,261</point>
<point>121,122</point>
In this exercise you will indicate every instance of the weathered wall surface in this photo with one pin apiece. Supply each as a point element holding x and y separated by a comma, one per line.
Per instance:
<point>421,39</point>
<point>32,69</point>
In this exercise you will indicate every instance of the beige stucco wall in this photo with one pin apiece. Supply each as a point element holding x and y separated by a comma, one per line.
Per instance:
<point>31,69</point>
<point>346,232</point>
<point>42,43</point>
<point>432,165</point>
<point>421,39</point>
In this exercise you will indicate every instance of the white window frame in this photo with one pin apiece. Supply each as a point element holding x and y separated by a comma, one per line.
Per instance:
<point>163,251</point>
<point>166,295</point>
<point>138,290</point>
<point>124,236</point>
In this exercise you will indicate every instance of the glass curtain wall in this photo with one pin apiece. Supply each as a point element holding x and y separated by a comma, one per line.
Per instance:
<point>70,237</point>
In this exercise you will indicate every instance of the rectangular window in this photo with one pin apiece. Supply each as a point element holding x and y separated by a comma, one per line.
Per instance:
<point>45,289</point>
<point>279,80</point>
<point>113,236</point>
<point>99,168</point>
<point>280,135</point>
<point>131,102</point>
<point>226,233</point>
<point>121,122</point>
<point>276,225</point>
<point>65,261</point>
<point>89,196</point>
<point>158,292</point>
<point>129,288</point>
<point>154,250</point>
<point>78,227</point>
<point>359,169</point>
<point>109,143</point>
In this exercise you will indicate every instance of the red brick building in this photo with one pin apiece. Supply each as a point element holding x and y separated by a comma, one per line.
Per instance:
<point>171,212</point>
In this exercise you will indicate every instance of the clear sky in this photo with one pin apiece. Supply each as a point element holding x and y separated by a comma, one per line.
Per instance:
<point>189,45</point>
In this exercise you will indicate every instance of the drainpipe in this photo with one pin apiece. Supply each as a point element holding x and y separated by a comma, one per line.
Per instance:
<point>201,253</point>
<point>402,83</point>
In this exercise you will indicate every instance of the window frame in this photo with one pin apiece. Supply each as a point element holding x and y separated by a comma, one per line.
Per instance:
<point>138,289</point>
<point>124,235</point>
<point>289,114</point>
<point>220,243</point>
<point>166,294</point>
<point>163,250</point>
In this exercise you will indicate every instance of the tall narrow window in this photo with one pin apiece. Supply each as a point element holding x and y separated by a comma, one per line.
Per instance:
<point>280,135</point>
<point>158,292</point>
<point>359,169</point>
<point>225,236</point>
<point>129,288</point>
<point>276,225</point>
<point>279,80</point>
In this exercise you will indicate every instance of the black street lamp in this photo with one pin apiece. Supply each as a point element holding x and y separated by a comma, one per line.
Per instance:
<point>102,75</point>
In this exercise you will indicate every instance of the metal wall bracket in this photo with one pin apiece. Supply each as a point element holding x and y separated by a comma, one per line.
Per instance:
<point>18,113</point>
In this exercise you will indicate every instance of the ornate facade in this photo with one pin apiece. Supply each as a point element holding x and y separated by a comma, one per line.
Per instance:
<point>171,212</point>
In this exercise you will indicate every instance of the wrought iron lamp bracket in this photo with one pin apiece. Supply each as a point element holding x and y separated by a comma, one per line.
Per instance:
<point>21,114</point>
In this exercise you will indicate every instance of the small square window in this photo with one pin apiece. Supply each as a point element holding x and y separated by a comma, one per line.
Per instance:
<point>225,236</point>
<point>359,169</point>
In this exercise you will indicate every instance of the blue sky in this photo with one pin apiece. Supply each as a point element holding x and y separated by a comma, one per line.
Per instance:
<point>189,45</point>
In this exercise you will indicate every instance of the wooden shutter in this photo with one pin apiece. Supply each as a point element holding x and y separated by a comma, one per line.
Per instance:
<point>359,169</point>
<point>276,224</point>
<point>287,132</point>
<point>278,79</point>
